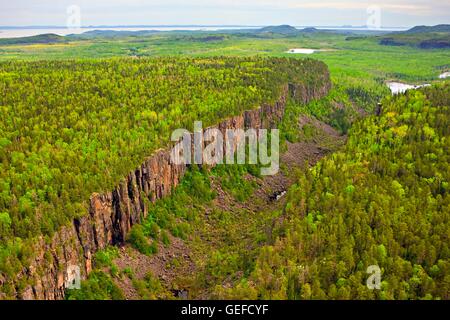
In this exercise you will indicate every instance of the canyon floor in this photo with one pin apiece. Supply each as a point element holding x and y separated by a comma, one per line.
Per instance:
<point>183,268</point>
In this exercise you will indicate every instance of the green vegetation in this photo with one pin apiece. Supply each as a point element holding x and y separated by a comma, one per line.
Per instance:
<point>101,283</point>
<point>71,128</point>
<point>99,286</point>
<point>150,288</point>
<point>383,200</point>
<point>104,258</point>
<point>78,113</point>
<point>222,221</point>
<point>347,102</point>
<point>42,39</point>
<point>139,241</point>
<point>361,206</point>
<point>233,181</point>
<point>440,28</point>
<point>423,37</point>
<point>360,57</point>
<point>183,208</point>
<point>437,41</point>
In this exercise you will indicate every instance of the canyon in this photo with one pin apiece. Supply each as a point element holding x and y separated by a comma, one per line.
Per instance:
<point>110,215</point>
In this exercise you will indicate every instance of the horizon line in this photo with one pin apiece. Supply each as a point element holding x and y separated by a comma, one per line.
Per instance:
<point>190,25</point>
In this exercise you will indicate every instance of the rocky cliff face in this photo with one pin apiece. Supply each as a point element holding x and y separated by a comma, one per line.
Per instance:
<point>112,214</point>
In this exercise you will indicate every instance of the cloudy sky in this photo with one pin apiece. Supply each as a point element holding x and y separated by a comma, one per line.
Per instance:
<point>402,13</point>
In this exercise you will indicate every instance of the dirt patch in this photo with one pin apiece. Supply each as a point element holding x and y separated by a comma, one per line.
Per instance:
<point>166,265</point>
<point>319,125</point>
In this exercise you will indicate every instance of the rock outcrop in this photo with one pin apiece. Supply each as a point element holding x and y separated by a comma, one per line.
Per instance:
<point>112,214</point>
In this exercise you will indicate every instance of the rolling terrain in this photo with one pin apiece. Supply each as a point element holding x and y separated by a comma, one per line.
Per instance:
<point>85,178</point>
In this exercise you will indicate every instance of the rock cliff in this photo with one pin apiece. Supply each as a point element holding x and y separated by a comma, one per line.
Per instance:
<point>112,214</point>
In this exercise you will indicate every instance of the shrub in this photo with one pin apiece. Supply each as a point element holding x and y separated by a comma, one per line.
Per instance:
<point>140,242</point>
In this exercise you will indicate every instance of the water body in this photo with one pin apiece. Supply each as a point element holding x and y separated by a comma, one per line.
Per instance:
<point>398,87</point>
<point>302,51</point>
<point>444,75</point>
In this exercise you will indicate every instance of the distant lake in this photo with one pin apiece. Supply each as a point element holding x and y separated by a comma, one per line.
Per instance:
<point>302,51</point>
<point>398,87</point>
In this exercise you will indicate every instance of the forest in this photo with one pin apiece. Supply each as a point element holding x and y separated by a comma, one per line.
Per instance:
<point>383,200</point>
<point>79,113</point>
<point>71,128</point>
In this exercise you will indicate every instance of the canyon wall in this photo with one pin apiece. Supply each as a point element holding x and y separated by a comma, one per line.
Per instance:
<point>112,214</point>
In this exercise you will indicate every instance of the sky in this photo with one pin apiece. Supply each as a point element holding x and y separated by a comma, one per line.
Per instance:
<point>386,13</point>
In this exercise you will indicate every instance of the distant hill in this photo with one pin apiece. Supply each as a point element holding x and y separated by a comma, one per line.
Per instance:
<point>310,30</point>
<point>426,29</point>
<point>113,33</point>
<point>423,37</point>
<point>42,38</point>
<point>283,29</point>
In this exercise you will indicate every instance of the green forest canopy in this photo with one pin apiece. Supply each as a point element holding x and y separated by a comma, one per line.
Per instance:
<point>383,200</point>
<point>71,128</point>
